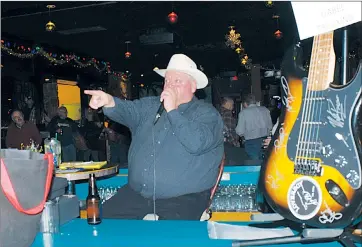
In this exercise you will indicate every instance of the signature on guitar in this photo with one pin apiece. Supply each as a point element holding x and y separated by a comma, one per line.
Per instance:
<point>337,112</point>
<point>287,98</point>
<point>278,143</point>
<point>328,216</point>
<point>274,180</point>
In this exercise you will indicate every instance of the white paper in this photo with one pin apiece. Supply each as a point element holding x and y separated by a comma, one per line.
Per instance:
<point>235,232</point>
<point>314,18</point>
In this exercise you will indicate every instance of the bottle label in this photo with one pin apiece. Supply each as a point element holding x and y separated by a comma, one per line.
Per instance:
<point>93,209</point>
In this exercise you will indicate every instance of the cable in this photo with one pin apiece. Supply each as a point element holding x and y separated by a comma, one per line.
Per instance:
<point>154,172</point>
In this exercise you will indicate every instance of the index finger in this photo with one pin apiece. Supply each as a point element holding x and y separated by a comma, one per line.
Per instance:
<point>92,92</point>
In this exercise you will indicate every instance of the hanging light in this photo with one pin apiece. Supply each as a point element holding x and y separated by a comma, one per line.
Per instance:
<point>278,34</point>
<point>269,4</point>
<point>172,17</point>
<point>50,26</point>
<point>128,54</point>
<point>239,50</point>
<point>232,38</point>
<point>245,59</point>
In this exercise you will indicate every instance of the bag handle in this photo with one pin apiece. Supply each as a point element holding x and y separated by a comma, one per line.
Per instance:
<point>9,191</point>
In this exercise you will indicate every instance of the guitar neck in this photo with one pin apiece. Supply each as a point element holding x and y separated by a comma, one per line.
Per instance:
<point>321,68</point>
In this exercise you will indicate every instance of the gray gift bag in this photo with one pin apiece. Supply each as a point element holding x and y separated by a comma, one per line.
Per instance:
<point>25,182</point>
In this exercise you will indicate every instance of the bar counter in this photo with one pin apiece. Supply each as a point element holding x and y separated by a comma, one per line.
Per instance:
<point>139,233</point>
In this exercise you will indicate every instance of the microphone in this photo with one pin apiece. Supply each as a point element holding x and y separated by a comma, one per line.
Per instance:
<point>159,113</point>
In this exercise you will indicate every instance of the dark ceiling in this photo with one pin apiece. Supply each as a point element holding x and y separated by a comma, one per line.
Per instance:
<point>200,30</point>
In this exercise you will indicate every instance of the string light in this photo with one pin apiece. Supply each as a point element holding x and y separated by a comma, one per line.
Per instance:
<point>55,59</point>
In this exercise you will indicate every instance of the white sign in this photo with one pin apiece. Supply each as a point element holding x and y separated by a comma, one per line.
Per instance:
<point>314,18</point>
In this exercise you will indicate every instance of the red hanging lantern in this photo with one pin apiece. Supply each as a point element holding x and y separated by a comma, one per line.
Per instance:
<point>172,17</point>
<point>278,34</point>
<point>127,54</point>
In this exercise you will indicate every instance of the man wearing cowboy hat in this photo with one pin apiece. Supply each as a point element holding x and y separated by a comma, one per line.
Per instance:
<point>175,161</point>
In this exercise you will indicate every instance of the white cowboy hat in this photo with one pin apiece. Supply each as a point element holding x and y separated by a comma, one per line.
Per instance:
<point>182,63</point>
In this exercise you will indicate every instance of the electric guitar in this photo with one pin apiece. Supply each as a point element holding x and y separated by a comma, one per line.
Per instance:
<point>312,172</point>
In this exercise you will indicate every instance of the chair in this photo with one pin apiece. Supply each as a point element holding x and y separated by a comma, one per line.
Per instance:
<point>207,213</point>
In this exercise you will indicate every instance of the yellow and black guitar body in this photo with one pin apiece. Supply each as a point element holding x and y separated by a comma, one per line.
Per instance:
<point>312,171</point>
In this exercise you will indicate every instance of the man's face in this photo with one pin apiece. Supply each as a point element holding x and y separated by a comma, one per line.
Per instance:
<point>29,101</point>
<point>181,82</point>
<point>18,119</point>
<point>229,105</point>
<point>62,113</point>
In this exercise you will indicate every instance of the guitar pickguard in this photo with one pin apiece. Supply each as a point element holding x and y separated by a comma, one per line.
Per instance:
<point>323,133</point>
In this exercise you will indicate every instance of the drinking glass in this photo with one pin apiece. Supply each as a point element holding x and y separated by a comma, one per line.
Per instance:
<point>50,218</point>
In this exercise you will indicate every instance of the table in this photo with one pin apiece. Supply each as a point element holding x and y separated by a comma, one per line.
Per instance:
<point>115,233</point>
<point>107,170</point>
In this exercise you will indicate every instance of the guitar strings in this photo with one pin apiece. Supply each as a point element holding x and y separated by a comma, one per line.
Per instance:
<point>301,130</point>
<point>319,78</point>
<point>315,104</point>
<point>305,102</point>
<point>307,123</point>
<point>309,102</point>
<point>330,43</point>
<point>315,81</point>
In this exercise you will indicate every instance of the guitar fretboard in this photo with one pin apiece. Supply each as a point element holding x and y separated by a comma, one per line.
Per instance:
<point>322,62</point>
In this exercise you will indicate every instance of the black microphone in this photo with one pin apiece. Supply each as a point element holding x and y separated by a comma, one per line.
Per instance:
<point>159,113</point>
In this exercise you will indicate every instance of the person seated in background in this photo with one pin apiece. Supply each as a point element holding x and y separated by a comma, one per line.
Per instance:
<point>21,132</point>
<point>66,130</point>
<point>254,124</point>
<point>174,161</point>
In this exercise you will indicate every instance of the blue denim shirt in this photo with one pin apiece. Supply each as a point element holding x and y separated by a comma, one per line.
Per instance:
<point>185,147</point>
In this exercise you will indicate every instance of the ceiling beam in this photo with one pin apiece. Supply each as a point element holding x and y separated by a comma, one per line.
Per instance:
<point>58,10</point>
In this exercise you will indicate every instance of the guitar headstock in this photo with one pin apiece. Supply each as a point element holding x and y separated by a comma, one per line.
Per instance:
<point>292,64</point>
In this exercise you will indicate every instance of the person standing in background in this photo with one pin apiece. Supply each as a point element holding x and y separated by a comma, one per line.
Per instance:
<point>254,124</point>
<point>226,112</point>
<point>91,132</point>
<point>119,137</point>
<point>66,129</point>
<point>29,110</point>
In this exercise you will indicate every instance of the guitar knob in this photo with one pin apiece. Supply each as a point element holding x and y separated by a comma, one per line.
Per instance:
<point>327,150</point>
<point>340,161</point>
<point>353,178</point>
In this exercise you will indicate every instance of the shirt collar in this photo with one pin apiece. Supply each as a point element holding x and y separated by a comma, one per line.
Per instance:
<point>185,106</point>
